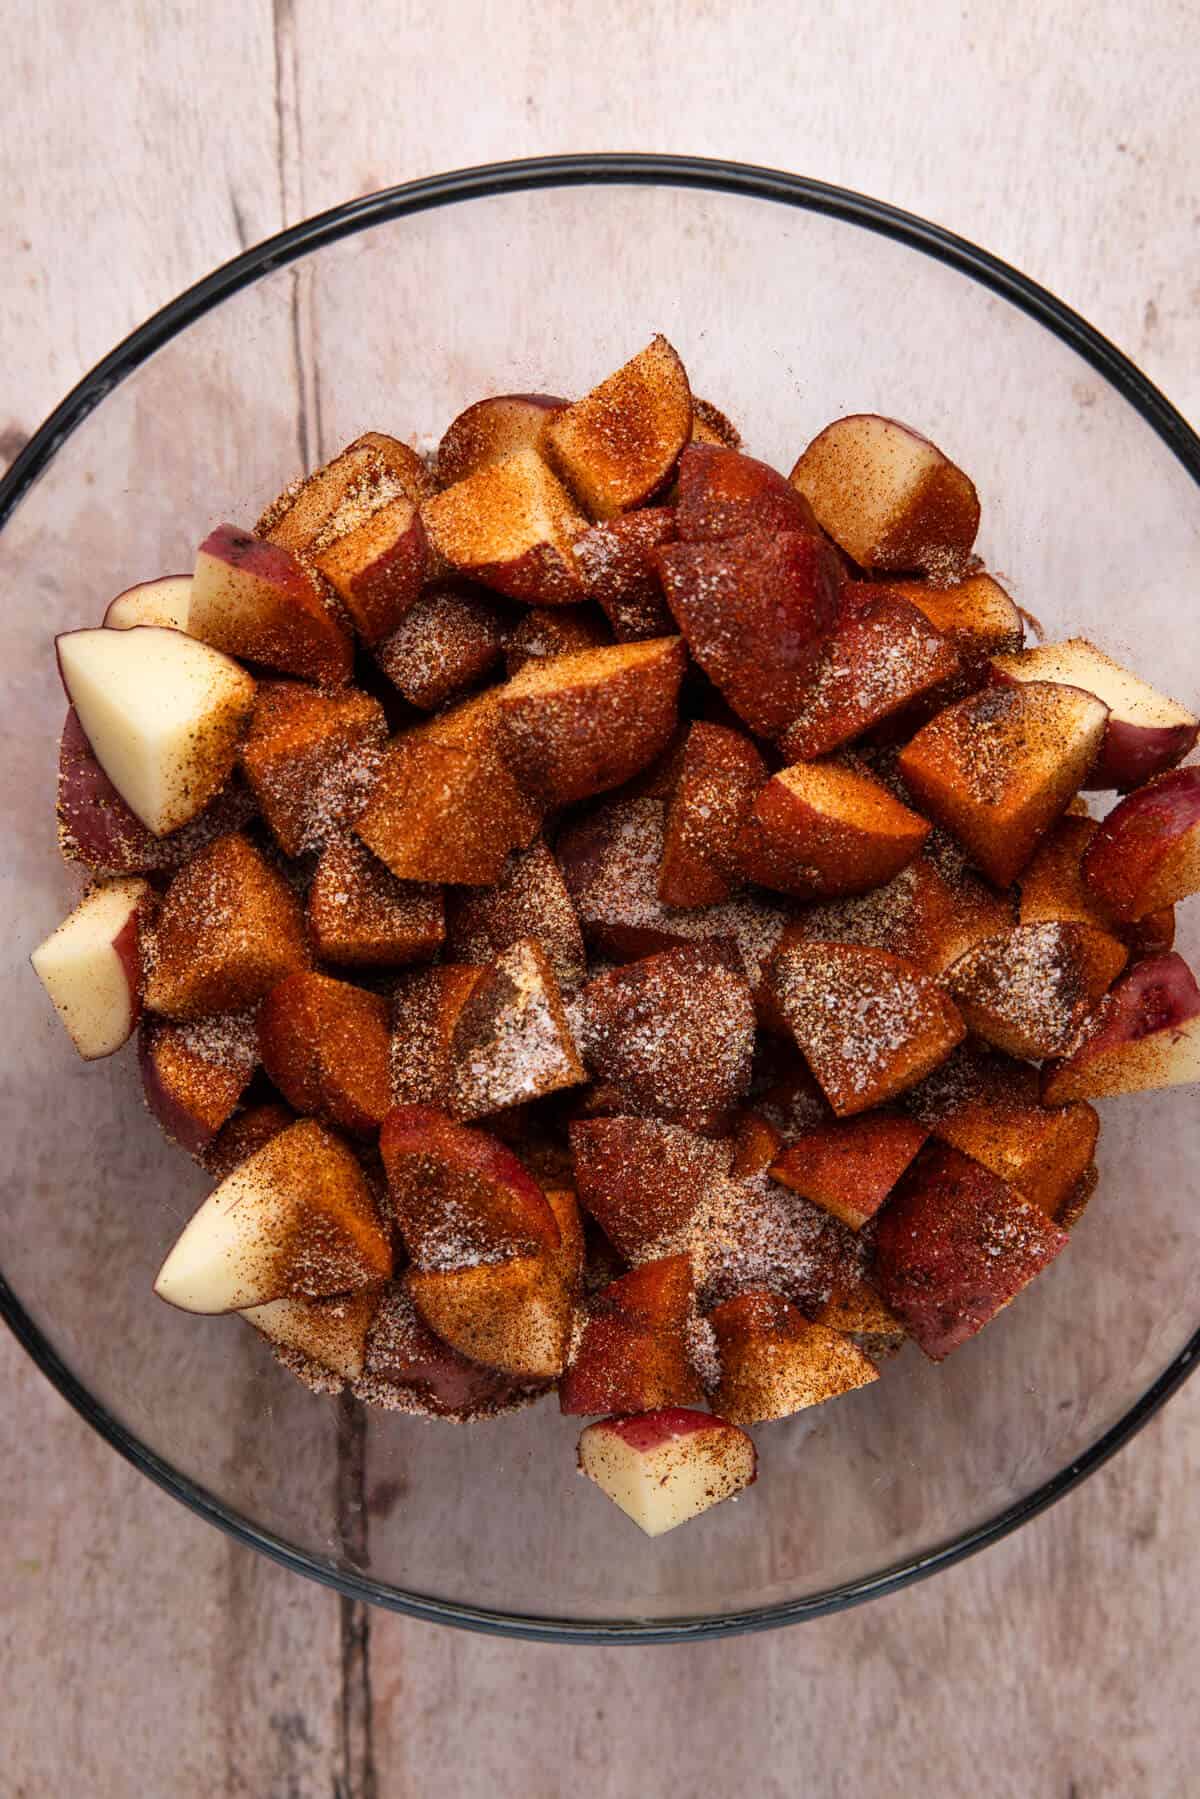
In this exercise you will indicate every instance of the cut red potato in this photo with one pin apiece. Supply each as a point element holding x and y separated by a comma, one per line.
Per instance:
<point>164,602</point>
<point>573,726</point>
<point>94,966</point>
<point>1028,991</point>
<point>459,1195</point>
<point>755,611</point>
<point>445,807</point>
<point>774,1362</point>
<point>674,1033</point>
<point>849,1167</point>
<point>255,600</point>
<point>361,916</point>
<point>643,1180</point>
<point>1144,1034</point>
<point>311,759</point>
<point>884,655</point>
<point>295,1221</point>
<point>619,572</point>
<point>529,899</point>
<point>426,1003</point>
<point>97,829</point>
<point>547,631</point>
<point>618,445</point>
<point>513,1316</point>
<point>975,614</point>
<point>931,913</point>
<point>327,1047</point>
<point>998,767</point>
<point>631,1351</point>
<point>330,1332</point>
<point>1146,854</point>
<point>610,863</point>
<point>820,829</point>
<point>408,1368</point>
<point>511,1041</point>
<point>360,481</point>
<point>446,642</point>
<point>854,1307</point>
<point>193,1075</point>
<point>954,1246</point>
<point>161,713</point>
<point>724,494</point>
<point>230,928</point>
<point>663,1468</point>
<point>757,1143</point>
<point>888,496</point>
<point>1147,732</point>
<point>869,1024</point>
<point>245,1134</point>
<point>377,568</point>
<point>710,425</point>
<point>493,430</point>
<point>721,773</point>
<point>1053,891</point>
<point>513,526</point>
<point>990,1109</point>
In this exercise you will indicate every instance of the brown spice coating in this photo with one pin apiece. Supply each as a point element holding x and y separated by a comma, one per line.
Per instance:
<point>868,1023</point>
<point>620,574</point>
<point>631,1352</point>
<point>998,767</point>
<point>229,930</point>
<point>194,1074</point>
<point>447,640</point>
<point>618,445</point>
<point>245,1134</point>
<point>675,1032</point>
<point>721,774</point>
<point>573,726</point>
<point>823,829</point>
<point>529,899</point>
<point>547,631</point>
<point>426,1003</point>
<point>326,1045</point>
<point>774,1362</point>
<point>311,760</point>
<point>361,916</point>
<point>511,1041</point>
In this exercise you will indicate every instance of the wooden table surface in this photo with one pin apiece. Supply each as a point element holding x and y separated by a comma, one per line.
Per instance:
<point>140,1651</point>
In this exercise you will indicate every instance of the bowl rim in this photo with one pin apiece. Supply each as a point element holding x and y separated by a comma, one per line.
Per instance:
<point>488,181</point>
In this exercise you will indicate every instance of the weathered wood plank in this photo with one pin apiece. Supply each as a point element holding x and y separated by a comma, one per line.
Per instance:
<point>1058,1663</point>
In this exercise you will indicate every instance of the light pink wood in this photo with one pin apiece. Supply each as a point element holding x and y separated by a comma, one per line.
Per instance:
<point>142,1652</point>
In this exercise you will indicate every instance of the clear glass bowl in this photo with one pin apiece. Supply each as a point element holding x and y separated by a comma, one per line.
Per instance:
<point>791,303</point>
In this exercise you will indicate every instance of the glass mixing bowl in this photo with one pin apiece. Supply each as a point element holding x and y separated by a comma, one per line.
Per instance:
<point>791,303</point>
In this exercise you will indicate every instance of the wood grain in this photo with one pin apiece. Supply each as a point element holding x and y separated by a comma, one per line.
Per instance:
<point>143,1652</point>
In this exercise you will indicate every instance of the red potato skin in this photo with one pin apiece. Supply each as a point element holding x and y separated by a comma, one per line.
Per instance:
<point>1124,856</point>
<point>723,493</point>
<point>1159,994</point>
<point>755,611</point>
<point>648,1431</point>
<point>934,1243</point>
